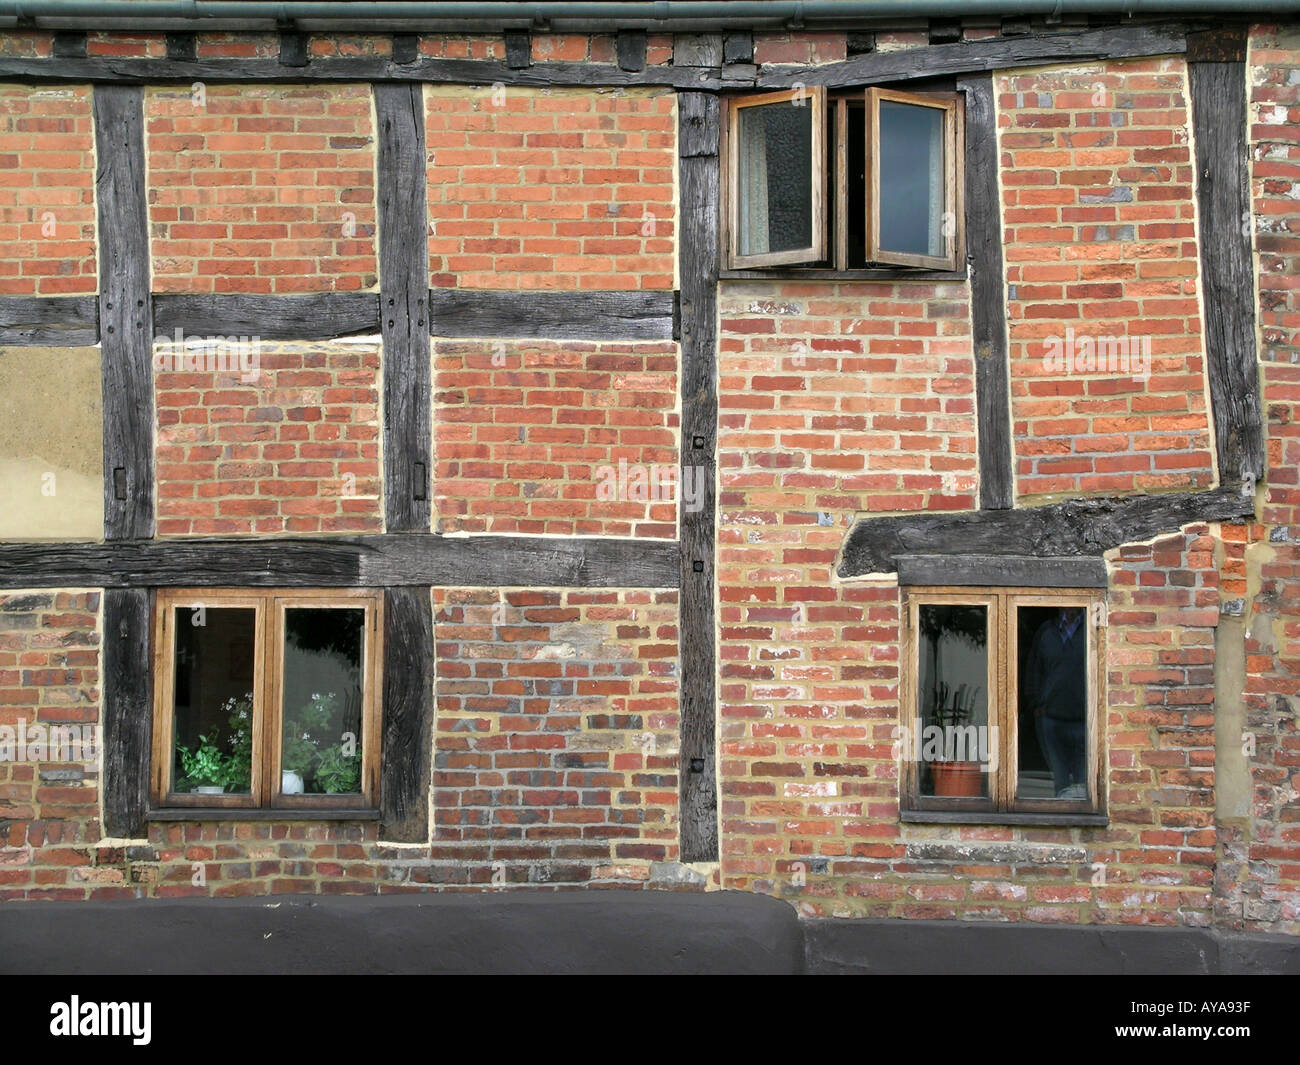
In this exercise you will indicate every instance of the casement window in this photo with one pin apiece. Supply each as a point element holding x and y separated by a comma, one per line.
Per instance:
<point>1002,705</point>
<point>845,180</point>
<point>266,699</point>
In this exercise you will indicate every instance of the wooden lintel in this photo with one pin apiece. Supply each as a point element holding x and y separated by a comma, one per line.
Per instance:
<point>384,560</point>
<point>1078,527</point>
<point>1001,571</point>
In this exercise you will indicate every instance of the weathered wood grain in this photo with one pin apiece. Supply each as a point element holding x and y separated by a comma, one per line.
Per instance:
<point>127,711</point>
<point>318,316</point>
<point>369,561</point>
<point>988,294</point>
<point>698,118</point>
<point>1221,137</point>
<point>968,57</point>
<point>110,69</point>
<point>125,312</point>
<point>406,755</point>
<point>1075,528</point>
<point>403,308</point>
<point>589,315</point>
<point>55,321</point>
<point>1001,571</point>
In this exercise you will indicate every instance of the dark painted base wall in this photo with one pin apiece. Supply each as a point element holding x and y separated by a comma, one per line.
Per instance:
<point>580,932</point>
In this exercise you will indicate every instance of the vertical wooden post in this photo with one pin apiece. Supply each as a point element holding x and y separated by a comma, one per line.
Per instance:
<point>988,295</point>
<point>125,312</point>
<point>127,695</point>
<point>1217,75</point>
<point>408,714</point>
<point>403,307</point>
<point>698,126</point>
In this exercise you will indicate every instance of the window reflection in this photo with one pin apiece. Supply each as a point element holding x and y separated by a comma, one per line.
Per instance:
<point>1053,736</point>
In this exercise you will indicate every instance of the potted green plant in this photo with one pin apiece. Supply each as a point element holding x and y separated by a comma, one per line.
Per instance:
<point>297,756</point>
<point>338,772</point>
<point>205,768</point>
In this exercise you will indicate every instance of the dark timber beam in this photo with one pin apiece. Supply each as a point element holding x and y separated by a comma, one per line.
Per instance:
<point>319,316</point>
<point>615,315</point>
<point>102,69</point>
<point>988,295</point>
<point>967,57</point>
<point>125,312</point>
<point>1079,527</point>
<point>57,321</point>
<point>1001,571</point>
<point>698,133</point>
<point>404,308</point>
<point>128,717</point>
<point>1221,135</point>
<point>328,562</point>
<point>406,757</point>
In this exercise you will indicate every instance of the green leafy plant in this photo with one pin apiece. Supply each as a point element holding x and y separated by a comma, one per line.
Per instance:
<point>338,772</point>
<point>205,766</point>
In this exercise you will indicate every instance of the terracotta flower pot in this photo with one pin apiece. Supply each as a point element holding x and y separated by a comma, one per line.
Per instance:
<point>957,778</point>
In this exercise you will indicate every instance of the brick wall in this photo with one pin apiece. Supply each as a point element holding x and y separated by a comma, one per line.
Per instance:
<point>290,447</point>
<point>47,205</point>
<point>263,189</point>
<point>557,728</point>
<point>1100,243</point>
<point>555,188</point>
<point>49,806</point>
<point>549,437</point>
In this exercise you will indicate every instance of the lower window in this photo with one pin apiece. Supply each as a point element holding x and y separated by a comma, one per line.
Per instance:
<point>1001,695</point>
<point>266,699</point>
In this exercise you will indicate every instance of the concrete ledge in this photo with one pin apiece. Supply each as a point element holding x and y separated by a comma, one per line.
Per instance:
<point>484,932</point>
<point>942,947</point>
<point>603,932</point>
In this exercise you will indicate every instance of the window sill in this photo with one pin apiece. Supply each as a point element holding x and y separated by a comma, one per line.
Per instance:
<point>981,817</point>
<point>231,813</point>
<point>794,273</point>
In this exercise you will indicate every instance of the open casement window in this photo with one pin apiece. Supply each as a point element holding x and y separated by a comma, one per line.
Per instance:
<point>266,699</point>
<point>776,165</point>
<point>1001,695</point>
<point>913,191</point>
<point>893,162</point>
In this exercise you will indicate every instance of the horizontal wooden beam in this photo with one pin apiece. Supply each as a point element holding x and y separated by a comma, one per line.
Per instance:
<point>967,57</point>
<point>1001,571</point>
<point>351,68</point>
<point>615,315</point>
<point>387,560</point>
<point>1073,528</point>
<point>318,316</point>
<point>56,321</point>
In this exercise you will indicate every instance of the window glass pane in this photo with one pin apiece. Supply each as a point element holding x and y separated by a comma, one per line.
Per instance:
<point>911,179</point>
<point>955,748</point>
<point>213,700</point>
<point>774,170</point>
<point>321,744</point>
<point>1053,710</point>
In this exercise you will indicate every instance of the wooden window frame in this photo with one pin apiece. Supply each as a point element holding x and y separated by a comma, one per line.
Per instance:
<point>1002,805</point>
<point>954,175</point>
<point>269,606</point>
<point>831,186</point>
<point>815,98</point>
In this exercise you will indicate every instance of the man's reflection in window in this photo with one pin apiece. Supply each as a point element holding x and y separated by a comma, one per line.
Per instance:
<point>1056,689</point>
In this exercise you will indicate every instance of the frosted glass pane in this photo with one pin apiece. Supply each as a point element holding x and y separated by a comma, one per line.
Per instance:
<point>774,170</point>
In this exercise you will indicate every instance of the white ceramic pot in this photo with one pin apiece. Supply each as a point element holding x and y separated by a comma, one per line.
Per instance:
<point>291,783</point>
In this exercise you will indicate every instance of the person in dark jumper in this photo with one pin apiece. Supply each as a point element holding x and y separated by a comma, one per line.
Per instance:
<point>1056,689</point>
